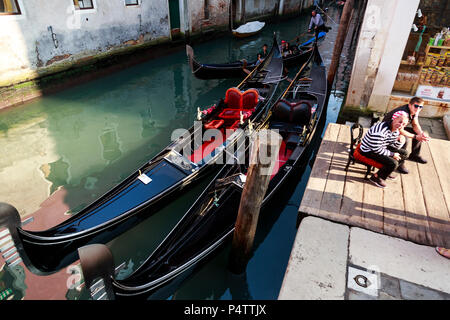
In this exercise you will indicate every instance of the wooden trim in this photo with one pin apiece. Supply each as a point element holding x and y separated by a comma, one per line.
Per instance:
<point>8,5</point>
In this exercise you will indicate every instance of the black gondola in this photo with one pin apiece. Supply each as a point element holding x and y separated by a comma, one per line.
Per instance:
<point>210,221</point>
<point>236,69</point>
<point>143,192</point>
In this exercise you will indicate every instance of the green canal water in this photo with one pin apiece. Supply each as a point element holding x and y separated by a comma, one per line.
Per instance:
<point>81,142</point>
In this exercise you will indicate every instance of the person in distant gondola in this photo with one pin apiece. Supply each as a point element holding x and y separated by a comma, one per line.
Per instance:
<point>262,54</point>
<point>285,50</point>
<point>317,23</point>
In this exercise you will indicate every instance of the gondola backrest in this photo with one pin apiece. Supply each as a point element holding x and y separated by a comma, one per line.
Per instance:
<point>233,98</point>
<point>297,112</point>
<point>250,99</point>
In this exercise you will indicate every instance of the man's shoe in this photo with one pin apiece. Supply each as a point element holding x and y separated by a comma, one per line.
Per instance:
<point>418,159</point>
<point>402,169</point>
<point>377,181</point>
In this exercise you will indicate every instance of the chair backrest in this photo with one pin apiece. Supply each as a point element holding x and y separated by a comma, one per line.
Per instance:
<point>298,112</point>
<point>250,99</point>
<point>355,140</point>
<point>233,98</point>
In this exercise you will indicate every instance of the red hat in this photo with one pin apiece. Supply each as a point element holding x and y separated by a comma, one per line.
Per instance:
<point>282,41</point>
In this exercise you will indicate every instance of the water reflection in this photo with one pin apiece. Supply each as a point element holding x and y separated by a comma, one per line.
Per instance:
<point>61,152</point>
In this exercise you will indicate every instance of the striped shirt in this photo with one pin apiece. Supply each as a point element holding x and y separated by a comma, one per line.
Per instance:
<point>378,138</point>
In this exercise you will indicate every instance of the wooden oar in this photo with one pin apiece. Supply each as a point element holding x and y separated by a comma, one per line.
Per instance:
<point>256,68</point>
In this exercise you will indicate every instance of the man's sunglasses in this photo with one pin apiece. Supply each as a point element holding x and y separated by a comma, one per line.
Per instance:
<point>418,106</point>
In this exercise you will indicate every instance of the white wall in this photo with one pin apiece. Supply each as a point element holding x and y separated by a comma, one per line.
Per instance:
<point>26,42</point>
<point>384,33</point>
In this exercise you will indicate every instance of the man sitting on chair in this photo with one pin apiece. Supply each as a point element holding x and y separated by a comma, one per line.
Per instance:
<point>415,133</point>
<point>383,143</point>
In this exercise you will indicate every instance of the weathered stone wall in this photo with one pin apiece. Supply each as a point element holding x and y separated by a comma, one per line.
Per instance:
<point>218,14</point>
<point>50,31</point>
<point>51,45</point>
<point>382,39</point>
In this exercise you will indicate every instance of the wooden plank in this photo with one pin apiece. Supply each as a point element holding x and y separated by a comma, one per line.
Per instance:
<point>334,188</point>
<point>415,210</point>
<point>316,184</point>
<point>394,221</point>
<point>434,201</point>
<point>372,209</point>
<point>352,198</point>
<point>440,153</point>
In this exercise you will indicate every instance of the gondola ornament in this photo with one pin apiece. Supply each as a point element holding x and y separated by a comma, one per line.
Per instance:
<point>10,240</point>
<point>199,114</point>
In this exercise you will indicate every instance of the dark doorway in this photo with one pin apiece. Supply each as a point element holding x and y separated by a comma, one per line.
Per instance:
<point>174,11</point>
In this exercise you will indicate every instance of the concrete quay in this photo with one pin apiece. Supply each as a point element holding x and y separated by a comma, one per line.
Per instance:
<point>332,261</point>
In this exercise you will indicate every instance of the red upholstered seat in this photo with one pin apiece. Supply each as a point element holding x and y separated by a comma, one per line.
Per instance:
<point>235,113</point>
<point>214,124</point>
<point>233,98</point>
<point>235,125</point>
<point>249,99</point>
<point>359,157</point>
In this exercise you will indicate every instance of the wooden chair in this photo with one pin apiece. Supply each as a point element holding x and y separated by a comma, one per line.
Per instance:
<point>354,154</point>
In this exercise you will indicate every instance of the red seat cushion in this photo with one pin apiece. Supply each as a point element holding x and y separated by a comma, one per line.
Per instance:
<point>230,113</point>
<point>235,125</point>
<point>214,124</point>
<point>233,98</point>
<point>359,157</point>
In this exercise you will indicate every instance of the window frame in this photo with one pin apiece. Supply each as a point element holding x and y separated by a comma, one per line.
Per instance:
<point>19,12</point>
<point>132,4</point>
<point>79,8</point>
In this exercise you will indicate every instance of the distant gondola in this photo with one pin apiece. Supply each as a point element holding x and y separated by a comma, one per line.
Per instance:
<point>210,221</point>
<point>236,69</point>
<point>143,192</point>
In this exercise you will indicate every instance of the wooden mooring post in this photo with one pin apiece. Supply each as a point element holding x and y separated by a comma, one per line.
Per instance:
<point>340,40</point>
<point>263,156</point>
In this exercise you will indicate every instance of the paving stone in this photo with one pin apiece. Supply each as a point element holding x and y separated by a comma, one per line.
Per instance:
<point>390,286</point>
<point>385,296</point>
<point>318,262</point>
<point>364,122</point>
<point>355,295</point>
<point>437,123</point>
<point>425,121</point>
<point>400,259</point>
<point>411,291</point>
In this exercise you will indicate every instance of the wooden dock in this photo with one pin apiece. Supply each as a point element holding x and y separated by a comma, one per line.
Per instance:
<point>414,207</point>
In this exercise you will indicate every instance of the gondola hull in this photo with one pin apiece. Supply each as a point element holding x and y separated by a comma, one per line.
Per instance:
<point>236,69</point>
<point>210,222</point>
<point>159,180</point>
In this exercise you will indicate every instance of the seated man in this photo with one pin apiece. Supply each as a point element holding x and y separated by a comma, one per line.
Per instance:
<point>415,133</point>
<point>382,143</point>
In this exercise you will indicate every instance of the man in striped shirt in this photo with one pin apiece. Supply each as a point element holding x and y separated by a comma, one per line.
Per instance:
<point>383,143</point>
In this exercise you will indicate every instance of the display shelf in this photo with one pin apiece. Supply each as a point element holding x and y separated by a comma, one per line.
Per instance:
<point>410,76</point>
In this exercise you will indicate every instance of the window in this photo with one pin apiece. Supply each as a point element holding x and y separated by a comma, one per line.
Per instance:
<point>9,7</point>
<point>131,2</point>
<point>83,4</point>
